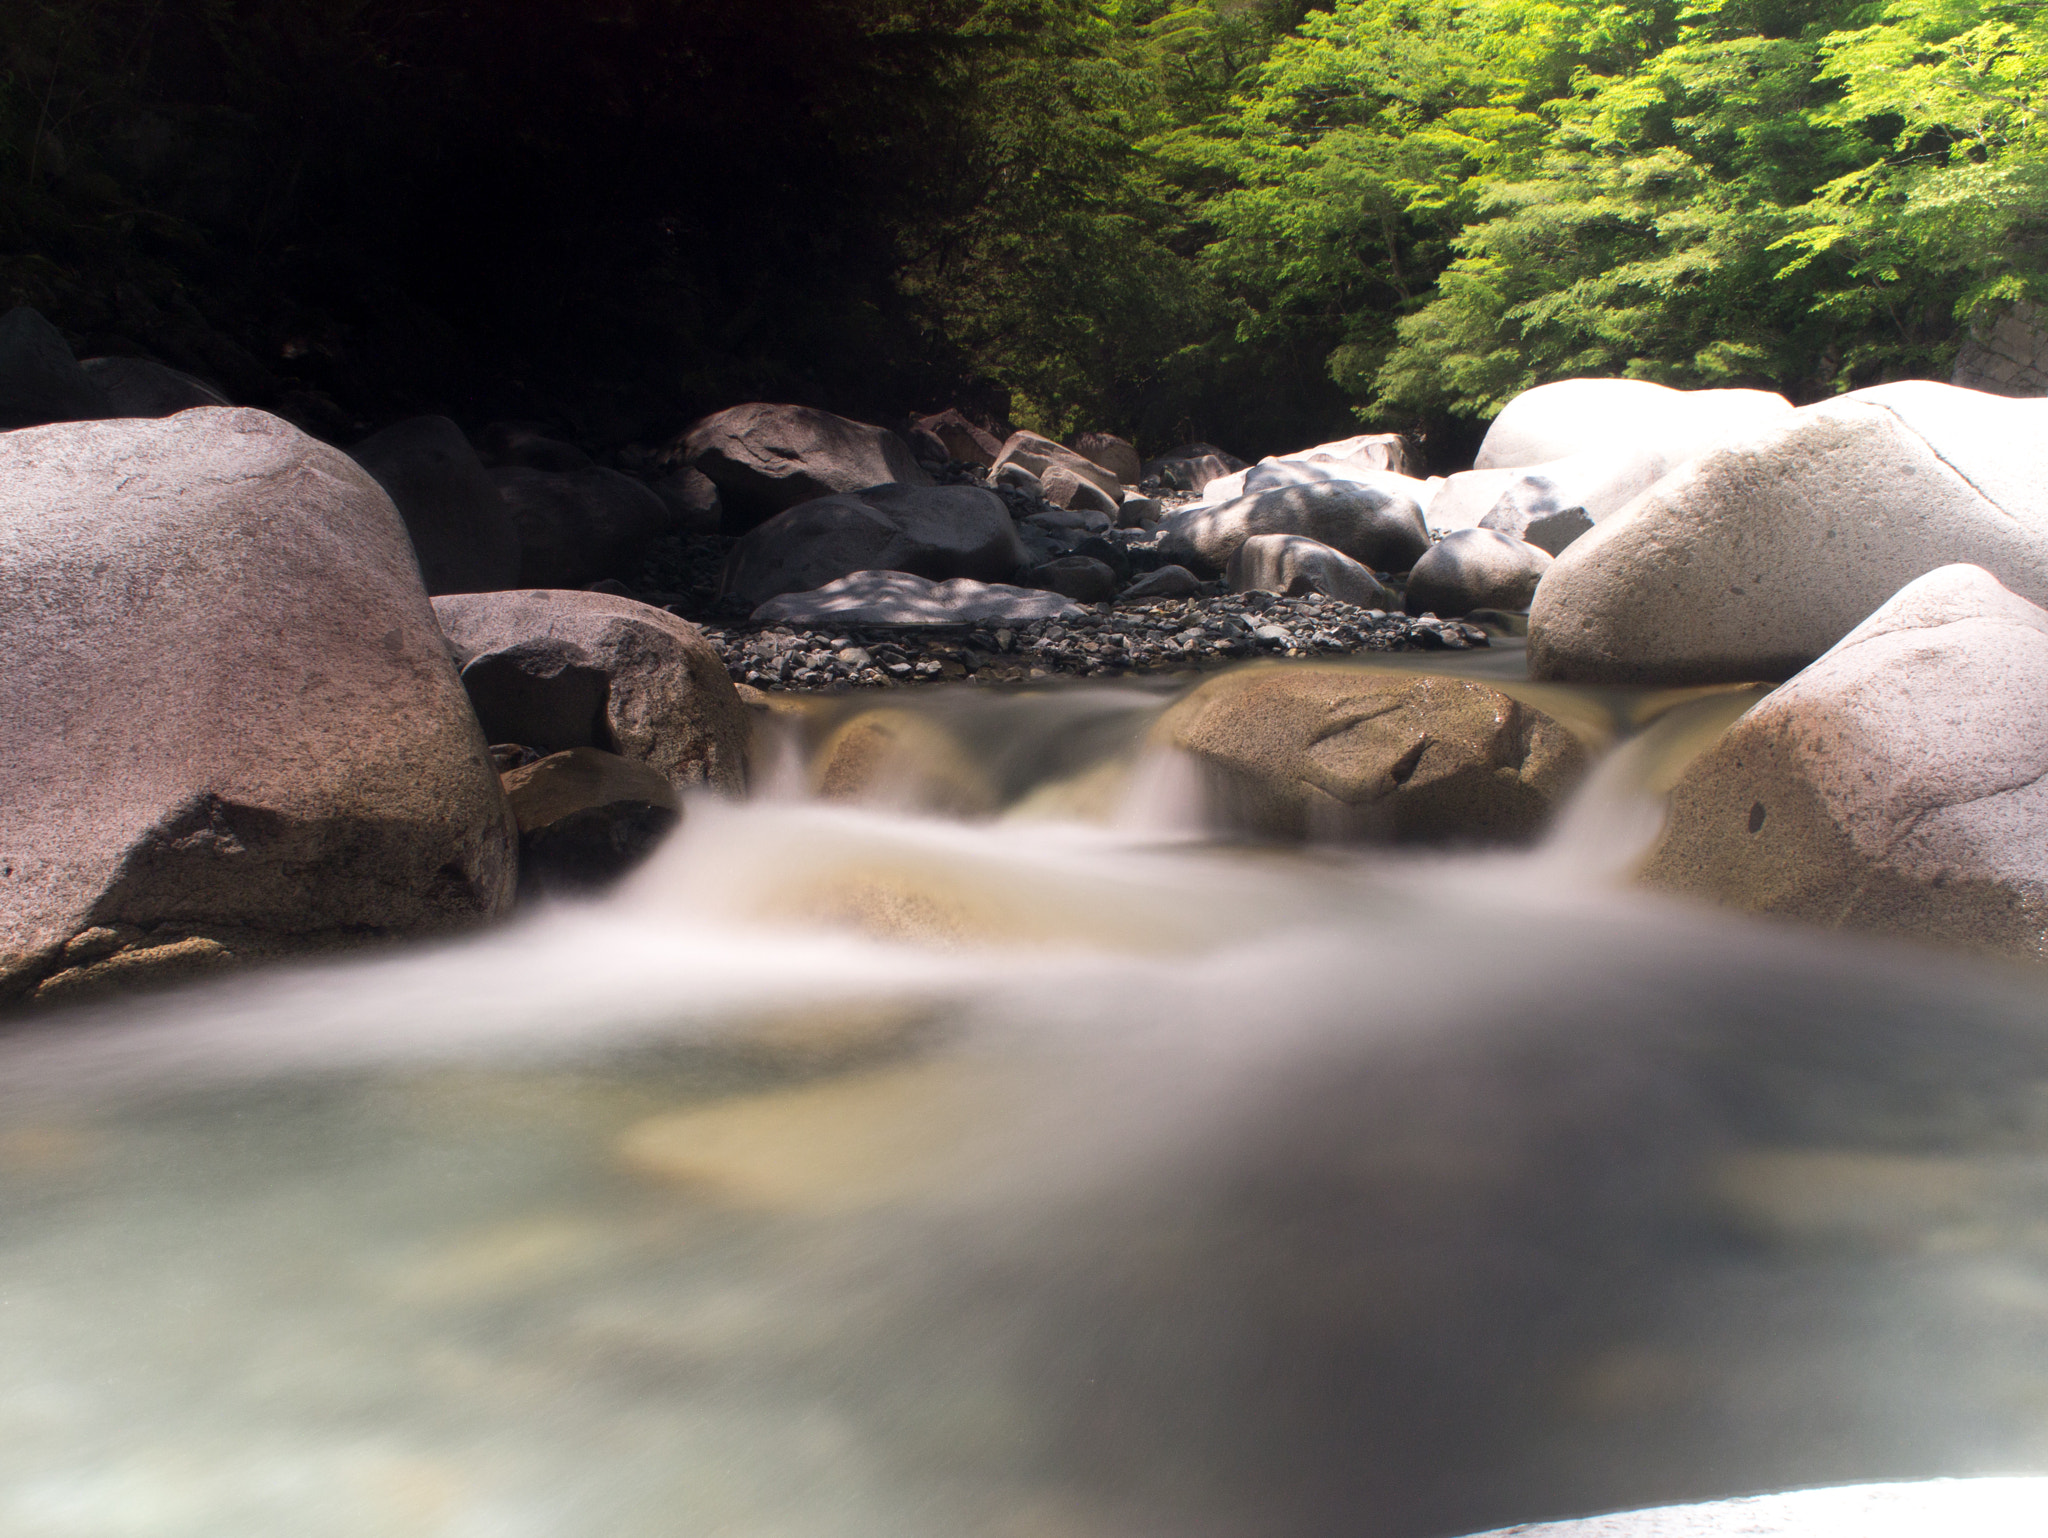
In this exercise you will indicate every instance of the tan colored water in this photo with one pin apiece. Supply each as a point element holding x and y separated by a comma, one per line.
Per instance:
<point>1057,1171</point>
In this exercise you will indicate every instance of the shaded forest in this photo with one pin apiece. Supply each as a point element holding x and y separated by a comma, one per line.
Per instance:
<point>1250,221</point>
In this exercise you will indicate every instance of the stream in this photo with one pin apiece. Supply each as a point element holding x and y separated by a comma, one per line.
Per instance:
<point>1060,1169</point>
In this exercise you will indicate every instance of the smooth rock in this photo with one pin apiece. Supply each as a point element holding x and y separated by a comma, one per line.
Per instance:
<point>1064,488</point>
<point>1135,511</point>
<point>1190,467</point>
<point>586,817</point>
<point>931,531</point>
<point>961,437</point>
<point>902,759</point>
<point>1041,455</point>
<point>229,712</point>
<point>555,670</point>
<point>1341,753</point>
<point>1380,527</point>
<point>463,532</point>
<point>1291,565</point>
<point>1162,582</point>
<point>765,458</point>
<point>1019,477</point>
<point>900,598</point>
<point>1750,562</point>
<point>1114,454</point>
<point>1464,499</point>
<point>1571,416</point>
<point>577,525</point>
<point>1366,451</point>
<point>1079,577</point>
<point>1475,569</point>
<point>138,387</point>
<point>1899,784</point>
<point>40,380</point>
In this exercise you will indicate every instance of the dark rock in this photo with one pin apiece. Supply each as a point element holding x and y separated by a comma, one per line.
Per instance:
<point>1040,455</point>
<point>576,526</point>
<point>461,529</point>
<point>1078,577</point>
<point>40,381</point>
<point>528,444</point>
<point>1292,565</point>
<point>1163,582</point>
<point>764,458</point>
<point>932,531</point>
<point>586,817</point>
<point>1475,569</point>
<point>963,440</point>
<point>1114,454</point>
<point>230,720</point>
<point>692,501</point>
<point>137,387</point>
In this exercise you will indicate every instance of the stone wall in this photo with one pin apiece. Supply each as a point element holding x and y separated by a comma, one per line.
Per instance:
<point>2006,354</point>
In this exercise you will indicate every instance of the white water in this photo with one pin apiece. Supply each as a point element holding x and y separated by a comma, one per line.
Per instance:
<point>862,1172</point>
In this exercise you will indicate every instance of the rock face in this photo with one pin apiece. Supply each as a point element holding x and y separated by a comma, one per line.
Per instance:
<point>1341,753</point>
<point>462,530</point>
<point>231,724</point>
<point>555,670</point>
<point>579,525</point>
<point>136,387</point>
<point>40,381</point>
<point>764,458</point>
<point>931,531</point>
<point>1292,566</point>
<point>1040,455</point>
<point>1475,569</point>
<point>586,817</point>
<point>1064,488</point>
<point>1575,415</point>
<point>2006,353</point>
<point>1753,560</point>
<point>1116,455</point>
<point>1900,784</point>
<point>961,438</point>
<point>1382,528</point>
<point>899,598</point>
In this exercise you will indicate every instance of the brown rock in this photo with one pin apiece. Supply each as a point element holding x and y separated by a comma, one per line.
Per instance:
<point>1114,454</point>
<point>1342,753</point>
<point>1039,455</point>
<point>962,439</point>
<point>586,817</point>
<point>764,458</point>
<point>228,707</point>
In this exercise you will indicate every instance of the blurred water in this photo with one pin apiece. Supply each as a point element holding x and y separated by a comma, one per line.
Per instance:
<point>1059,1171</point>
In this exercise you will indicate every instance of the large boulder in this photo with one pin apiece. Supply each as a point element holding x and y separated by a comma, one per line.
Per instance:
<point>40,380</point>
<point>137,387</point>
<point>1366,451</point>
<point>1375,524</point>
<point>1463,500</point>
<point>1114,454</point>
<point>764,458</point>
<point>1079,577</point>
<point>1753,560</point>
<point>899,598</point>
<point>931,531</point>
<point>1475,569</point>
<point>555,670</point>
<point>1333,752</point>
<point>461,528</point>
<point>576,526</point>
<point>1040,455</point>
<point>231,725</point>
<point>1571,416</point>
<point>1291,565</point>
<point>1899,784</point>
<point>961,438</point>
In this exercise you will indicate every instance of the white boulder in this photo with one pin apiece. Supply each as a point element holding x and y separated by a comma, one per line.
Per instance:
<point>1570,416</point>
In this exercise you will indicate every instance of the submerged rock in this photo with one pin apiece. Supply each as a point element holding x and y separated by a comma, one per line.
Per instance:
<point>1342,753</point>
<point>1900,784</point>
<point>231,724</point>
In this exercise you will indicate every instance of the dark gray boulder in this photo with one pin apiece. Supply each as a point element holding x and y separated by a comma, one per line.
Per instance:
<point>138,387</point>
<point>764,458</point>
<point>932,531</point>
<point>461,529</point>
<point>40,381</point>
<point>1079,577</point>
<point>577,525</point>
<point>1291,565</point>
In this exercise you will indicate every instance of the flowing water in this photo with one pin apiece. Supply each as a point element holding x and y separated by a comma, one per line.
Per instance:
<point>1056,1171</point>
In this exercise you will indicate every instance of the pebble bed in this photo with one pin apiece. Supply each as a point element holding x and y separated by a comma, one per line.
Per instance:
<point>1166,635</point>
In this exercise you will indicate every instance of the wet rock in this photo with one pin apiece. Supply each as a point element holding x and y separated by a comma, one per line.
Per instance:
<point>228,707</point>
<point>1475,569</point>
<point>1079,577</point>
<point>1899,784</point>
<point>1381,528</point>
<point>1751,561</point>
<point>1572,416</point>
<point>557,670</point>
<point>577,525</point>
<point>465,535</point>
<point>137,387</point>
<point>961,438</point>
<point>586,817</point>
<point>1292,565</point>
<point>901,598</point>
<point>40,380</point>
<point>1341,753</point>
<point>1114,454</point>
<point>1163,582</point>
<point>902,759</point>
<point>1040,455</point>
<point>764,458</point>
<point>929,531</point>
